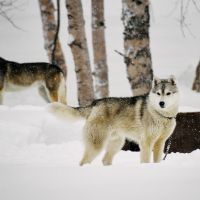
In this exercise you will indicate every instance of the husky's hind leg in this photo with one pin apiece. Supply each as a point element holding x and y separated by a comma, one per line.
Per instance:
<point>53,95</point>
<point>56,88</point>
<point>114,145</point>
<point>95,137</point>
<point>1,97</point>
<point>62,90</point>
<point>52,85</point>
<point>43,93</point>
<point>2,75</point>
<point>91,152</point>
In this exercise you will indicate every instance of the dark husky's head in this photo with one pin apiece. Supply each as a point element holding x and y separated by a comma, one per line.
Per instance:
<point>164,93</point>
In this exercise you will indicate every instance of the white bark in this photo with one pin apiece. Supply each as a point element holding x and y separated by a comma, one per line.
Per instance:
<point>136,19</point>
<point>99,50</point>
<point>80,51</point>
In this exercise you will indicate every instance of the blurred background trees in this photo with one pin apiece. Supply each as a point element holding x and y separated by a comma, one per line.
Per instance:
<point>136,20</point>
<point>6,6</point>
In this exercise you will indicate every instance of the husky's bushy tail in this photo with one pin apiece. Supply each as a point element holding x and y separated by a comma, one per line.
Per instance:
<point>65,112</point>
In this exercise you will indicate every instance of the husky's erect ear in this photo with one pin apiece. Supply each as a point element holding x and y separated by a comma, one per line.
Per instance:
<point>156,81</point>
<point>172,80</point>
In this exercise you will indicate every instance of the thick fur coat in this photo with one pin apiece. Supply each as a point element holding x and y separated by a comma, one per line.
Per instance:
<point>148,120</point>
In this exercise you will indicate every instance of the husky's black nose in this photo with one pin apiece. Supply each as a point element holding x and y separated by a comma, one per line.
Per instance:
<point>162,104</point>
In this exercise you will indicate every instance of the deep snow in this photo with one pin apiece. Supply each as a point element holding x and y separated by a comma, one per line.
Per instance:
<point>39,158</point>
<point>39,154</point>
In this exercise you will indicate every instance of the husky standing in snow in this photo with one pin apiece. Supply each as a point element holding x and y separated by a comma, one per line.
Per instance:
<point>148,120</point>
<point>48,77</point>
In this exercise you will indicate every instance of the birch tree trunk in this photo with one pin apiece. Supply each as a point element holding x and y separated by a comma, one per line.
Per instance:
<point>136,20</point>
<point>49,31</point>
<point>78,44</point>
<point>196,84</point>
<point>99,50</point>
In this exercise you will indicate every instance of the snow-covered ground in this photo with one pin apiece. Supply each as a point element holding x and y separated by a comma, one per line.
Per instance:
<point>39,158</point>
<point>39,154</point>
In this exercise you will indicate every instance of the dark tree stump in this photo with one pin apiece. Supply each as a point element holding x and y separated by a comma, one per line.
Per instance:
<point>186,136</point>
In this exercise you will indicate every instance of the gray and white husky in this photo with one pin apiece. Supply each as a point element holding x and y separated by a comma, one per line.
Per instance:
<point>148,120</point>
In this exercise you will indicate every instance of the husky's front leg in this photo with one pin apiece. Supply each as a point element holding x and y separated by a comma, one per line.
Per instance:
<point>145,151</point>
<point>160,143</point>
<point>158,150</point>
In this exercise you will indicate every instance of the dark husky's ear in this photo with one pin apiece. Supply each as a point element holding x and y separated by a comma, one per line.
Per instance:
<point>156,81</point>
<point>172,80</point>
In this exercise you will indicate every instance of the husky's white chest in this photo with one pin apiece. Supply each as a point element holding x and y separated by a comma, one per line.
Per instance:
<point>160,128</point>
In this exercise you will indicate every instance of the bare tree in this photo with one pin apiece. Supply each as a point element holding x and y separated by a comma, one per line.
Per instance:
<point>99,49</point>
<point>78,44</point>
<point>136,20</point>
<point>185,8</point>
<point>50,32</point>
<point>6,7</point>
<point>196,84</point>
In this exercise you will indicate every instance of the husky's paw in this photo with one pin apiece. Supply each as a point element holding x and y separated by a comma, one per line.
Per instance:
<point>83,162</point>
<point>106,162</point>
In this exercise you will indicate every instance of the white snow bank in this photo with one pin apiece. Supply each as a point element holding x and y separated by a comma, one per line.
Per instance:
<point>23,125</point>
<point>188,109</point>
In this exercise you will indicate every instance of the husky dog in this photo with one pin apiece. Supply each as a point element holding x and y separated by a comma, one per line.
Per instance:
<point>48,77</point>
<point>148,120</point>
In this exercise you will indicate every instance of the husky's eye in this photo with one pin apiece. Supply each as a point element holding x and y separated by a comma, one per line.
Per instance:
<point>158,93</point>
<point>168,93</point>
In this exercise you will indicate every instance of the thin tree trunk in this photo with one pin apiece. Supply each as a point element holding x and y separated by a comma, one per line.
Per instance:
<point>78,44</point>
<point>196,84</point>
<point>136,20</point>
<point>99,49</point>
<point>49,31</point>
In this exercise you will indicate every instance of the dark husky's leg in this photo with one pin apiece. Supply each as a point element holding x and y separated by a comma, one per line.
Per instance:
<point>53,94</point>
<point>52,85</point>
<point>62,90</point>
<point>1,96</point>
<point>55,84</point>
<point>43,93</point>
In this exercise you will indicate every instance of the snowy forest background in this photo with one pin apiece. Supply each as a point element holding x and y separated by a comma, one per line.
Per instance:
<point>39,154</point>
<point>172,52</point>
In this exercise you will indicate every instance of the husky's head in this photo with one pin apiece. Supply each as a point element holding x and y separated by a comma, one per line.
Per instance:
<point>164,93</point>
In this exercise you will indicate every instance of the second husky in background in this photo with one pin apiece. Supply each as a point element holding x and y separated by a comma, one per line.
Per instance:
<point>48,78</point>
<point>148,120</point>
